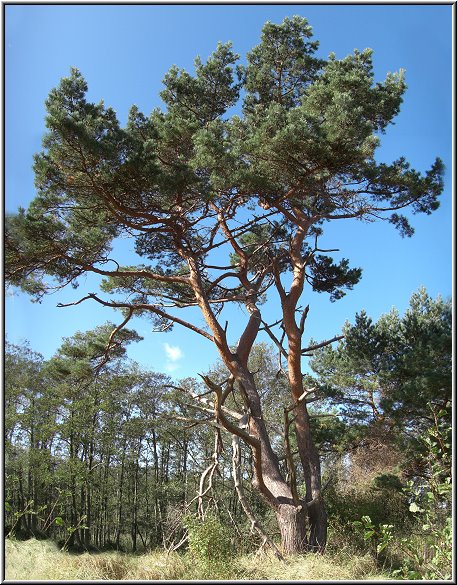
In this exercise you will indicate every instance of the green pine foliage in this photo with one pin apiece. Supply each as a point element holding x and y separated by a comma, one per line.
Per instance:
<point>386,373</point>
<point>306,139</point>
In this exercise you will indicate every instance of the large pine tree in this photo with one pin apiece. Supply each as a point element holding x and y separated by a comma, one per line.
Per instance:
<point>224,209</point>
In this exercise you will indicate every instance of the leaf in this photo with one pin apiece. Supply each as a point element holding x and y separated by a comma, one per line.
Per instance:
<point>413,507</point>
<point>368,534</point>
<point>7,507</point>
<point>59,521</point>
<point>443,488</point>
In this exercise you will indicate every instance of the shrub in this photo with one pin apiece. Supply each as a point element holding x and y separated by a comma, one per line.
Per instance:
<point>426,552</point>
<point>210,543</point>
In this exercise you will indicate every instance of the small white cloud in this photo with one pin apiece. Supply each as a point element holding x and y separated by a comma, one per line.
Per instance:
<point>174,352</point>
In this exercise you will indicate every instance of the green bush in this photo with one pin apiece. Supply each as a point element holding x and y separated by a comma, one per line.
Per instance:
<point>384,501</point>
<point>210,543</point>
<point>426,551</point>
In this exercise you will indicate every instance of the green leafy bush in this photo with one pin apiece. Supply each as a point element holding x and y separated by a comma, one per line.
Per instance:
<point>426,553</point>
<point>382,499</point>
<point>210,543</point>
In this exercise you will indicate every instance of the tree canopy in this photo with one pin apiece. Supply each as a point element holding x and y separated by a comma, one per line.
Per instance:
<point>178,179</point>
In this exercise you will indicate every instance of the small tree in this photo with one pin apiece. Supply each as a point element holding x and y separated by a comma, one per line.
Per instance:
<point>224,208</point>
<point>386,375</point>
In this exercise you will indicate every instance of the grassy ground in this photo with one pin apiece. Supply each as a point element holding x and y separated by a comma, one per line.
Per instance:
<point>41,560</point>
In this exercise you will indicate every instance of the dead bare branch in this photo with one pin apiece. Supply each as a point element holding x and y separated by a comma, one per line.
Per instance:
<point>323,344</point>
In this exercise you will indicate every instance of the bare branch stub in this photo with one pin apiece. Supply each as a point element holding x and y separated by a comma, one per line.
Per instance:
<point>303,319</point>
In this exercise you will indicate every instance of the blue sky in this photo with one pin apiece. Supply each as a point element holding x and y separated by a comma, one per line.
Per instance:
<point>124,51</point>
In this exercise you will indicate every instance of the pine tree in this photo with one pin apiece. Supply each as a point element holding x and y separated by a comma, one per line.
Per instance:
<point>391,377</point>
<point>222,209</point>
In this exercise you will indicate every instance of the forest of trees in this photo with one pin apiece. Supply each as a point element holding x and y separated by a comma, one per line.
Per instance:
<point>222,213</point>
<point>103,455</point>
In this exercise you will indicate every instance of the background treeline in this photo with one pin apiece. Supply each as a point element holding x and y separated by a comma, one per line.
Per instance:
<point>92,455</point>
<point>100,453</point>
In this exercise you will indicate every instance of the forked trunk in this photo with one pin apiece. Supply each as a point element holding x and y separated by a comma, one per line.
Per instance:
<point>277,494</point>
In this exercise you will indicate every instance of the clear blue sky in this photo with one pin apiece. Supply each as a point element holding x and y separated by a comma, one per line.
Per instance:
<point>123,51</point>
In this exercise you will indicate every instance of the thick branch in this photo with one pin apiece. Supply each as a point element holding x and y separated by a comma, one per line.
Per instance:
<point>135,273</point>
<point>290,459</point>
<point>252,441</point>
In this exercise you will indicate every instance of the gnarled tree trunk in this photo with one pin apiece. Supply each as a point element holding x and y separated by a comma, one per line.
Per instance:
<point>267,477</point>
<point>292,525</point>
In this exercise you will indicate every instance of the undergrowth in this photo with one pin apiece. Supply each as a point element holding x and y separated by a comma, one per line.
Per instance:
<point>42,560</point>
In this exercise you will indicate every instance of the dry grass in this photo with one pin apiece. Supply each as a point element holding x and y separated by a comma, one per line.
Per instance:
<point>42,560</point>
<point>312,567</point>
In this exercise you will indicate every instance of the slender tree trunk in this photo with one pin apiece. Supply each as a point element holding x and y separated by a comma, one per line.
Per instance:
<point>22,522</point>
<point>184,470</point>
<point>32,479</point>
<point>165,460</point>
<point>156,455</point>
<point>105,515</point>
<point>146,491</point>
<point>134,530</point>
<point>75,511</point>
<point>89,480</point>
<point>83,514</point>
<point>120,495</point>
<point>309,457</point>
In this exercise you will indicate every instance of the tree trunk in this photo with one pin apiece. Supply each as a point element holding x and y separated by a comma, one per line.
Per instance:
<point>292,525</point>
<point>317,517</point>
<point>134,524</point>
<point>291,515</point>
<point>120,493</point>
<point>309,457</point>
<point>238,480</point>
<point>267,477</point>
